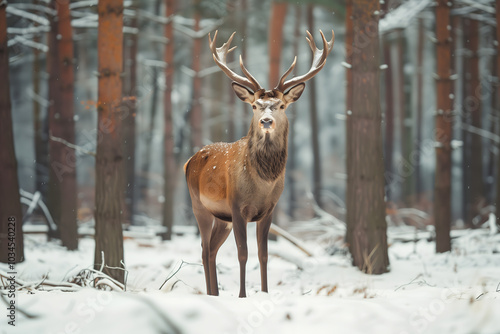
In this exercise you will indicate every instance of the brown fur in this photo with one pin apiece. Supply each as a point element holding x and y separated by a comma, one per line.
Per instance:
<point>231,184</point>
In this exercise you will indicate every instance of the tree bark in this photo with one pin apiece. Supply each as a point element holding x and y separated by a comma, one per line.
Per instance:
<point>169,164</point>
<point>275,40</point>
<point>391,179</point>
<point>497,197</point>
<point>472,104</point>
<point>366,223</point>
<point>109,158</point>
<point>65,162</point>
<point>196,111</point>
<point>39,120</point>
<point>55,167</point>
<point>11,230</point>
<point>128,119</point>
<point>315,131</point>
<point>148,155</point>
<point>419,107</point>
<point>404,112</point>
<point>349,47</point>
<point>444,117</point>
<point>292,156</point>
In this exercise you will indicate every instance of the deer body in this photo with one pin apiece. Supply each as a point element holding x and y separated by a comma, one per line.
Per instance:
<point>231,184</point>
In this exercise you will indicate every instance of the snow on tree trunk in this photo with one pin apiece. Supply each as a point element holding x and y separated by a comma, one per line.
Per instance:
<point>366,223</point>
<point>10,204</point>
<point>109,157</point>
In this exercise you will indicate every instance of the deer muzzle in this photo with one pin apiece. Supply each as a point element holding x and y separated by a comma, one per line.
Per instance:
<point>267,124</point>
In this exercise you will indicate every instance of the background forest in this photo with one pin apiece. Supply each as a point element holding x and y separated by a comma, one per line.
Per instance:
<point>176,100</point>
<point>410,84</point>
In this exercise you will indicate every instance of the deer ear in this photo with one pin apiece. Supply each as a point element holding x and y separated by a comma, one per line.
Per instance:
<point>294,93</point>
<point>243,93</point>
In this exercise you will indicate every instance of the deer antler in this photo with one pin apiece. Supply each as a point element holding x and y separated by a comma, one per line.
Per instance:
<point>319,60</point>
<point>220,54</point>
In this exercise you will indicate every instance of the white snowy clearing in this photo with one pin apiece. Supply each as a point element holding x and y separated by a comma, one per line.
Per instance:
<point>456,292</point>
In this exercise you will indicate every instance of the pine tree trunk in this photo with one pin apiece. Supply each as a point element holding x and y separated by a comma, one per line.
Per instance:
<point>169,172</point>
<point>349,46</point>
<point>419,108</point>
<point>148,156</point>
<point>292,156</point>
<point>366,223</point>
<point>197,111</point>
<point>40,138</point>
<point>109,158</point>
<point>407,189</point>
<point>128,119</point>
<point>315,132</point>
<point>275,40</point>
<point>497,197</point>
<point>11,231</point>
<point>55,167</point>
<point>245,124</point>
<point>472,104</point>
<point>391,179</point>
<point>442,187</point>
<point>65,164</point>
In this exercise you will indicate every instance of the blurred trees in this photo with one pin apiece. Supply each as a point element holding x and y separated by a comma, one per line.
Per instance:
<point>10,204</point>
<point>198,107</point>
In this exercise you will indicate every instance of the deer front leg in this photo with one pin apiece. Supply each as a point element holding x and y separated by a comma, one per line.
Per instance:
<point>240,234</point>
<point>205,221</point>
<point>262,234</point>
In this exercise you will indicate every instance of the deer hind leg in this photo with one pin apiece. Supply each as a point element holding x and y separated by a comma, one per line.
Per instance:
<point>220,232</point>
<point>205,222</point>
<point>262,235</point>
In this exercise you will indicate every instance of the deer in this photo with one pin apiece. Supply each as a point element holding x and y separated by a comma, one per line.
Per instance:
<point>232,184</point>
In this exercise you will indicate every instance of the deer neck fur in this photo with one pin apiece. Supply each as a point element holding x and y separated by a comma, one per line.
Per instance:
<point>267,153</point>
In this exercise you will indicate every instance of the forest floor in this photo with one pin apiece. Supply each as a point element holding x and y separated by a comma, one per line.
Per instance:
<point>425,292</point>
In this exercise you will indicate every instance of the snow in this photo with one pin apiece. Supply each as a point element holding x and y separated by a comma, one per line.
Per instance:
<point>455,292</point>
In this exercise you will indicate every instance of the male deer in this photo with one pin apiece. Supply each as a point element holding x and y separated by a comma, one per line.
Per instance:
<point>232,184</point>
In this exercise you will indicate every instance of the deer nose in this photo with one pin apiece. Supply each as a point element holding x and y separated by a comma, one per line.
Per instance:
<point>266,122</point>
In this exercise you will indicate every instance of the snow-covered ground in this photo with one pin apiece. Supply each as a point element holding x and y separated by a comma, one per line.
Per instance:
<point>424,292</point>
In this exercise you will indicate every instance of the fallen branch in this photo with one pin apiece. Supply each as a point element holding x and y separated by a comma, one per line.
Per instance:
<point>276,230</point>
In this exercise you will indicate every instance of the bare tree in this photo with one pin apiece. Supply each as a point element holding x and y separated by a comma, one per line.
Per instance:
<point>109,157</point>
<point>366,225</point>
<point>11,231</point>
<point>442,187</point>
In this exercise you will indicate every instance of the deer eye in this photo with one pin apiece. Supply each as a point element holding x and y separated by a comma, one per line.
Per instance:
<point>282,106</point>
<point>254,107</point>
